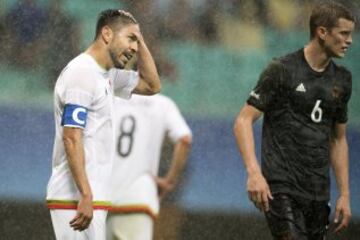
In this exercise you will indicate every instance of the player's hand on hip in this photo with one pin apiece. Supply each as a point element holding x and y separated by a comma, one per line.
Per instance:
<point>84,214</point>
<point>342,213</point>
<point>259,191</point>
<point>165,186</point>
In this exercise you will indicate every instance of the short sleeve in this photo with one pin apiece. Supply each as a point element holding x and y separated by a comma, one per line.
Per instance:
<point>125,81</point>
<point>80,87</point>
<point>268,86</point>
<point>342,110</point>
<point>175,122</point>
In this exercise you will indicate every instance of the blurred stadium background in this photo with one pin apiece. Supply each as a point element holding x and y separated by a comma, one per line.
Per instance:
<point>209,53</point>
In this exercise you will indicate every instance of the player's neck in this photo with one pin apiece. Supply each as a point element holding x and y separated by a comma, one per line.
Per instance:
<point>316,57</point>
<point>98,52</point>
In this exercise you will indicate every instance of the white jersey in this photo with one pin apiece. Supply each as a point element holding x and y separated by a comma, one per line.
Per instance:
<point>83,98</point>
<point>140,127</point>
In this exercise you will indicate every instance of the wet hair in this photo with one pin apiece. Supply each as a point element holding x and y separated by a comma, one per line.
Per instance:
<point>112,17</point>
<point>327,14</point>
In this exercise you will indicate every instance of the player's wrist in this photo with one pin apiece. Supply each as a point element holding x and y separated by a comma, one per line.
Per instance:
<point>87,195</point>
<point>253,170</point>
<point>171,180</point>
<point>344,195</point>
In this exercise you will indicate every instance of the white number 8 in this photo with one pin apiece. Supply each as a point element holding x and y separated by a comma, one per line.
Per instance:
<point>317,112</point>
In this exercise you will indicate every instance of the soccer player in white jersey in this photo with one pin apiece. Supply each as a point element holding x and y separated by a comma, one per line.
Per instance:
<point>141,125</point>
<point>78,190</point>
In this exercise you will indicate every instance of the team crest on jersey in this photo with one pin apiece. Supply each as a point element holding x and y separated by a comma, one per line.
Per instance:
<point>300,88</point>
<point>74,115</point>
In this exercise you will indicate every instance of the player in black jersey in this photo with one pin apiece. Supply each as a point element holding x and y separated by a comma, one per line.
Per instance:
<point>304,98</point>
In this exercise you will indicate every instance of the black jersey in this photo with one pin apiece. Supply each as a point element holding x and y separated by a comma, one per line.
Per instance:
<point>300,109</point>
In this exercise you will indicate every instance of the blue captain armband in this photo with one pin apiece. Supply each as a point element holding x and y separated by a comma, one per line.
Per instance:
<point>74,116</point>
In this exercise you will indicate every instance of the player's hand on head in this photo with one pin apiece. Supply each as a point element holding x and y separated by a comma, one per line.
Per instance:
<point>84,214</point>
<point>165,186</point>
<point>139,36</point>
<point>342,213</point>
<point>258,191</point>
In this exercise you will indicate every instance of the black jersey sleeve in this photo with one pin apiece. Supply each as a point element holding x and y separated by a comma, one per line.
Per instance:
<point>268,88</point>
<point>342,110</point>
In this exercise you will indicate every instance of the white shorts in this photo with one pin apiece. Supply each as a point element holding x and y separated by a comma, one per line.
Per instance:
<point>60,219</point>
<point>133,226</point>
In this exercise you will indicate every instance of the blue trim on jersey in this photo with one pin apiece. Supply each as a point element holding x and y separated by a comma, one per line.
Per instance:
<point>74,115</point>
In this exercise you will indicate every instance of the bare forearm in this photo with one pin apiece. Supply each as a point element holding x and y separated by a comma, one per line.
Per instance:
<point>258,190</point>
<point>147,70</point>
<point>243,131</point>
<point>178,162</point>
<point>75,156</point>
<point>340,164</point>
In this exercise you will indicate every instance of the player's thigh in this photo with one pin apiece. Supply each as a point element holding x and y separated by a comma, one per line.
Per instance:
<point>285,219</point>
<point>317,220</point>
<point>61,218</point>
<point>134,226</point>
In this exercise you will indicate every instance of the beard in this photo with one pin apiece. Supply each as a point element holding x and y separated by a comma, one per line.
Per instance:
<point>117,64</point>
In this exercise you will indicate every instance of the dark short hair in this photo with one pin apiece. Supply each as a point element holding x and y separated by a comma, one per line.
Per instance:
<point>327,14</point>
<point>110,17</point>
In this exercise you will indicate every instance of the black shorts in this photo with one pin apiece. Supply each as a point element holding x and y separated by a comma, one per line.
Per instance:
<point>297,218</point>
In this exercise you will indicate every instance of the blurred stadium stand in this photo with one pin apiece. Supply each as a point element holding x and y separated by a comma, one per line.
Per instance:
<point>213,82</point>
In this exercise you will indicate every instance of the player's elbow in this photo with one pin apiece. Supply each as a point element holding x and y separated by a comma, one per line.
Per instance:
<point>150,90</point>
<point>236,128</point>
<point>155,87</point>
<point>186,141</point>
<point>240,123</point>
<point>151,85</point>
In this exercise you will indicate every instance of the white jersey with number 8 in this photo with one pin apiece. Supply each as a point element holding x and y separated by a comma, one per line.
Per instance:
<point>141,125</point>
